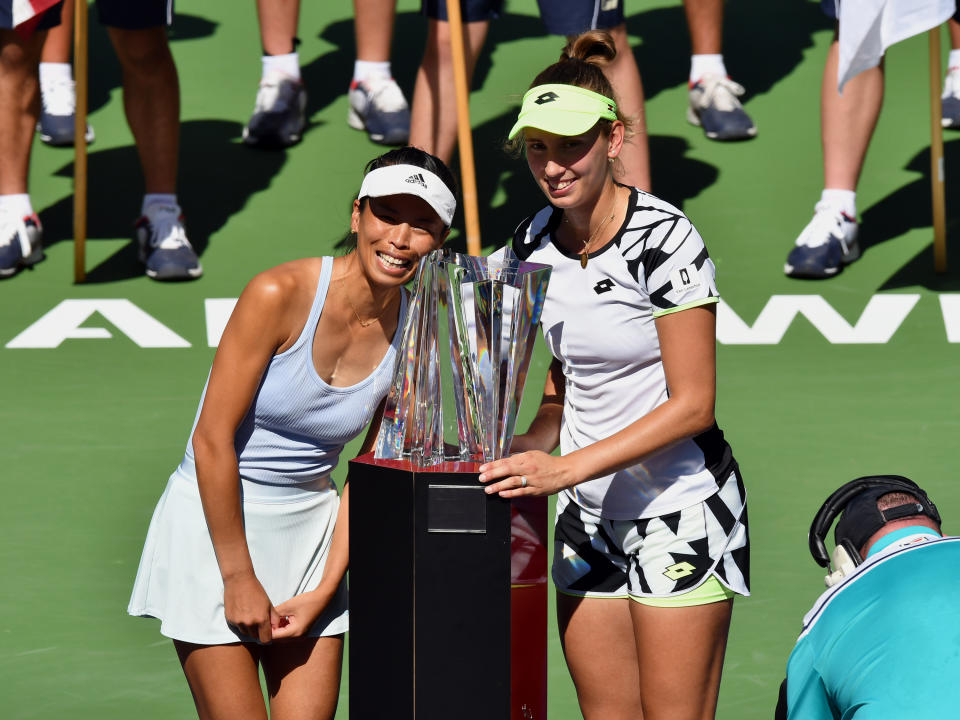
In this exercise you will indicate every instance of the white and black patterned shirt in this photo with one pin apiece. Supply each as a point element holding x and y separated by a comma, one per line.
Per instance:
<point>599,323</point>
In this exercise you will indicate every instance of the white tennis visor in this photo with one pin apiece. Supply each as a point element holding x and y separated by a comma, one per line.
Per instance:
<point>411,180</point>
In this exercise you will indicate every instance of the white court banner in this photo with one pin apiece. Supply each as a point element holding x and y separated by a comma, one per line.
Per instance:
<point>869,27</point>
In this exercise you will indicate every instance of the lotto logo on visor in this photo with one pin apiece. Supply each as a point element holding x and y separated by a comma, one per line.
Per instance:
<point>411,180</point>
<point>563,110</point>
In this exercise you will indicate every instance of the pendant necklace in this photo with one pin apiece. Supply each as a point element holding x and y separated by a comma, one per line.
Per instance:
<point>585,252</point>
<point>353,307</point>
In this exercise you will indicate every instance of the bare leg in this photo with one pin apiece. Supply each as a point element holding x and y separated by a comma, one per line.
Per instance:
<point>58,47</point>
<point>954,27</point>
<point>224,680</point>
<point>847,121</point>
<point>373,28</point>
<point>151,99</point>
<point>598,644</point>
<point>680,652</point>
<point>705,23</point>
<point>19,107</point>
<point>624,75</point>
<point>303,677</point>
<point>278,25</point>
<point>433,125</point>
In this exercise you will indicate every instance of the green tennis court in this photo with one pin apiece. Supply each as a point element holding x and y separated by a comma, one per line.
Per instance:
<point>818,382</point>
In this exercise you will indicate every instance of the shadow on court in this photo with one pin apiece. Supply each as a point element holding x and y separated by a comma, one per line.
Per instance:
<point>910,207</point>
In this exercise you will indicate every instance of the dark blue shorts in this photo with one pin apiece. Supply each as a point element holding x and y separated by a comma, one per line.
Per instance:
<point>135,14</point>
<point>126,14</point>
<point>472,10</point>
<point>572,17</point>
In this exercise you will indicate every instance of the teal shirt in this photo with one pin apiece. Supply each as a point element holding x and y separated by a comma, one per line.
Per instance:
<point>885,642</point>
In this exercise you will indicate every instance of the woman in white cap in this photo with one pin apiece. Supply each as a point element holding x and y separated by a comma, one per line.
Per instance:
<point>650,539</point>
<point>246,554</point>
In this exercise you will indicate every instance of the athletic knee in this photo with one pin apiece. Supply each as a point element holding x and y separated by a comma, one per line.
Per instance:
<point>143,53</point>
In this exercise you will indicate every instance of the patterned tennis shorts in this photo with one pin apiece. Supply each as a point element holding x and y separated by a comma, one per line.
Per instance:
<point>654,557</point>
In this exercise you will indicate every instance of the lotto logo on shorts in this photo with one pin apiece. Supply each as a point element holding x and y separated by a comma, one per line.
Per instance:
<point>684,279</point>
<point>547,97</point>
<point>680,570</point>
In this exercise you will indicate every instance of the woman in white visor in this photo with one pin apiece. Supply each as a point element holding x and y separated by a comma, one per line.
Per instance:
<point>246,554</point>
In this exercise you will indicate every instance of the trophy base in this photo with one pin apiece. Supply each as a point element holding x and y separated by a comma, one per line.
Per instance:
<point>448,596</point>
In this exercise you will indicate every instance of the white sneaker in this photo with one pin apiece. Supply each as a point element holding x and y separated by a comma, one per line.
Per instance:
<point>715,106</point>
<point>279,115</point>
<point>58,113</point>
<point>378,106</point>
<point>20,242</point>
<point>950,100</point>
<point>825,245</point>
<point>163,244</point>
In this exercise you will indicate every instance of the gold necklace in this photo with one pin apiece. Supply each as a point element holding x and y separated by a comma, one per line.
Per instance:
<point>353,307</point>
<point>585,252</point>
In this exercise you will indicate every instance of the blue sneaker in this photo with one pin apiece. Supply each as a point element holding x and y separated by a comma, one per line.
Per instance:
<point>825,245</point>
<point>377,105</point>
<point>58,114</point>
<point>715,106</point>
<point>279,115</point>
<point>163,244</point>
<point>950,100</point>
<point>20,243</point>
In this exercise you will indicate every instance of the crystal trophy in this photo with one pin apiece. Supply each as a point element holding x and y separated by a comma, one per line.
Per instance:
<point>466,347</point>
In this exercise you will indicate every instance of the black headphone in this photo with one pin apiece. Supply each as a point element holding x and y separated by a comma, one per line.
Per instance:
<point>857,500</point>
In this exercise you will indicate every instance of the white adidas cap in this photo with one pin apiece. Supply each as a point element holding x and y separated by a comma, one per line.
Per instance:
<point>411,180</point>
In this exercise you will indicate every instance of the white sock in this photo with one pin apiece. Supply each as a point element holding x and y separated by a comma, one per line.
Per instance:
<point>844,200</point>
<point>701,65</point>
<point>363,69</point>
<point>19,205</point>
<point>158,199</point>
<point>288,64</point>
<point>954,59</point>
<point>52,72</point>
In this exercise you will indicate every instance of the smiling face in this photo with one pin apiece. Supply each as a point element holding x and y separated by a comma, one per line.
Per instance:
<point>393,233</point>
<point>572,170</point>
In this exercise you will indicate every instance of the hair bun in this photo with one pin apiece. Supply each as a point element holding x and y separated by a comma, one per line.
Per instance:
<point>594,46</point>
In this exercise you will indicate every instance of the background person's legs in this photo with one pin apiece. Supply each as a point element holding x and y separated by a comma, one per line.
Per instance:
<point>151,101</point>
<point>829,241</point>
<point>624,75</point>
<point>20,241</point>
<point>377,104</point>
<point>433,125</point>
<point>714,103</point>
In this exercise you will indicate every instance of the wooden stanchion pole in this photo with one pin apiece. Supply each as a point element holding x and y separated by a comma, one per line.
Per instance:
<point>468,178</point>
<point>80,142</point>
<point>936,158</point>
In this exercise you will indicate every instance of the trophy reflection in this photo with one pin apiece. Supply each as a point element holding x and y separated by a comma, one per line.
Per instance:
<point>466,347</point>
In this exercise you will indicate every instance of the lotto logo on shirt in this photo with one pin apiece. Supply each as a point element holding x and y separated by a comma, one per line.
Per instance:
<point>685,279</point>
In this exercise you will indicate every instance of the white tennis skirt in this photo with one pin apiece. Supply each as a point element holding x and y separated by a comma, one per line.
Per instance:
<point>288,532</point>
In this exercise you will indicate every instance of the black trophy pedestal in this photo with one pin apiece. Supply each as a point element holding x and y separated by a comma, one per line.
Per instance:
<point>448,596</point>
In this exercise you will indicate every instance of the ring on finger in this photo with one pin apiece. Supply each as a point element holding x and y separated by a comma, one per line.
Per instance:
<point>523,481</point>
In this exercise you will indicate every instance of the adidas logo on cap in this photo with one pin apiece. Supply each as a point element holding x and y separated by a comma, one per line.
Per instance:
<point>417,179</point>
